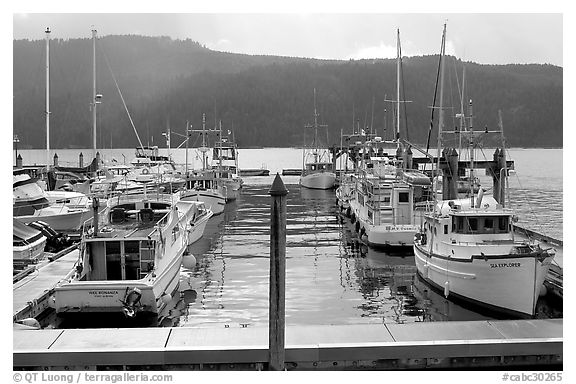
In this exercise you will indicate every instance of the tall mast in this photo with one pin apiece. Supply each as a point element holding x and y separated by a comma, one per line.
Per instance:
<point>315,130</point>
<point>187,138</point>
<point>441,103</point>
<point>440,106</point>
<point>398,53</point>
<point>94,93</point>
<point>47,98</point>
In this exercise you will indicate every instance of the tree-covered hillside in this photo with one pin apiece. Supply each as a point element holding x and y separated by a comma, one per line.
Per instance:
<point>265,100</point>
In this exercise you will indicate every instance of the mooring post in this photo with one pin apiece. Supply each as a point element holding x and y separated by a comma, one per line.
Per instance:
<point>55,159</point>
<point>19,162</point>
<point>80,160</point>
<point>276,324</point>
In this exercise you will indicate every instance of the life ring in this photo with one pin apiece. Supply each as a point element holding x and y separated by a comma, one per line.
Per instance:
<point>145,171</point>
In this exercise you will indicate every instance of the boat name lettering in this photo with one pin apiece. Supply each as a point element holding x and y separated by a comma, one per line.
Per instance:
<point>103,293</point>
<point>504,265</point>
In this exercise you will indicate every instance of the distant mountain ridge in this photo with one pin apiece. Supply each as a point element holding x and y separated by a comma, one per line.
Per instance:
<point>265,100</point>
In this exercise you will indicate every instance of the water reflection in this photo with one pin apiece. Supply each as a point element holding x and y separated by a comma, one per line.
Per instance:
<point>331,276</point>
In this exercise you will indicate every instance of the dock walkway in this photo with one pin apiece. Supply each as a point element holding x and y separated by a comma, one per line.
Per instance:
<point>31,294</point>
<point>437,345</point>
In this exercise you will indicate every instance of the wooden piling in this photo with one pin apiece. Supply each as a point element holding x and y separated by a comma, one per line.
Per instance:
<point>276,325</point>
<point>80,160</point>
<point>55,159</point>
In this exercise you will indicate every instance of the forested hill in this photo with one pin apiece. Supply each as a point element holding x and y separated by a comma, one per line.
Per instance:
<point>265,100</point>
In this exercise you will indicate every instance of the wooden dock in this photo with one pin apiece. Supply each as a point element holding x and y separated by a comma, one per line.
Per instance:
<point>31,294</point>
<point>439,345</point>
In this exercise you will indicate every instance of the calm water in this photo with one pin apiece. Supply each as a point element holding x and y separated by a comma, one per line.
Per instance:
<point>330,277</point>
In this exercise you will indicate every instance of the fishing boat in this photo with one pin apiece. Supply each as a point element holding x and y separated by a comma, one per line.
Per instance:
<point>30,203</point>
<point>27,243</point>
<point>382,204</point>
<point>225,165</point>
<point>386,189</point>
<point>317,168</point>
<point>467,246</point>
<point>202,186</point>
<point>129,262</point>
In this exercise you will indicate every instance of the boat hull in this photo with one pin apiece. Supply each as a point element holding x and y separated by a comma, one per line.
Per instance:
<point>65,221</point>
<point>507,283</point>
<point>211,199</point>
<point>78,297</point>
<point>30,252</point>
<point>322,180</point>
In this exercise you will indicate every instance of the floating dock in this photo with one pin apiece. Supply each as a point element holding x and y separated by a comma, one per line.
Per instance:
<point>533,344</point>
<point>31,294</point>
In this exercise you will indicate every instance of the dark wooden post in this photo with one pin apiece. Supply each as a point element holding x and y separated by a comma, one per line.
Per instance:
<point>80,160</point>
<point>19,161</point>
<point>450,176</point>
<point>55,159</point>
<point>97,161</point>
<point>276,324</point>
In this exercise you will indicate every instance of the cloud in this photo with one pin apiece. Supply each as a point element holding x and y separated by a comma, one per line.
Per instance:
<point>220,45</point>
<point>387,51</point>
<point>380,51</point>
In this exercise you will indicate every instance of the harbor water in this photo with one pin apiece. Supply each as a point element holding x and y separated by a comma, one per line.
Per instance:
<point>331,277</point>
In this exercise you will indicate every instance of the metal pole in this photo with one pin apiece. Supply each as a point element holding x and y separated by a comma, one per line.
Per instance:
<point>94,93</point>
<point>47,98</point>
<point>276,325</point>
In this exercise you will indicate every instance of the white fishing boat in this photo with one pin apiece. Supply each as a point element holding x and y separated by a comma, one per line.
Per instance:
<point>382,205</point>
<point>317,169</point>
<point>202,186</point>
<point>225,165</point>
<point>467,246</point>
<point>130,261</point>
<point>30,203</point>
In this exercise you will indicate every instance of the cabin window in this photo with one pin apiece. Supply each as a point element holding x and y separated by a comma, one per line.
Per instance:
<point>403,197</point>
<point>503,224</point>
<point>489,225</point>
<point>113,261</point>
<point>446,229</point>
<point>473,223</point>
<point>132,260</point>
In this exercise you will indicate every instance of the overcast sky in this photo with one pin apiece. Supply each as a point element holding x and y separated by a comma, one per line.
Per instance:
<point>492,38</point>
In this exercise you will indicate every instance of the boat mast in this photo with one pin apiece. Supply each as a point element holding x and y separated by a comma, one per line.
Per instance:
<point>398,88</point>
<point>441,104</point>
<point>94,101</point>
<point>471,148</point>
<point>187,138</point>
<point>316,147</point>
<point>47,98</point>
<point>503,184</point>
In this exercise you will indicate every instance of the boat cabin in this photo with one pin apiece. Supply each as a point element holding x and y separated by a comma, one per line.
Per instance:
<point>386,203</point>
<point>125,249</point>
<point>319,167</point>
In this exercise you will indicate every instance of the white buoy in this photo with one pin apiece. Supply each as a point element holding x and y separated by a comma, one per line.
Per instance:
<point>189,261</point>
<point>446,289</point>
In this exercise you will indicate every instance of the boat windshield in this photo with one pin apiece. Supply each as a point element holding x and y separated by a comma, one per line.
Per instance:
<point>481,224</point>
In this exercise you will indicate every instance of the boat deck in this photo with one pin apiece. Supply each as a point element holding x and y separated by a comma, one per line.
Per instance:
<point>31,294</point>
